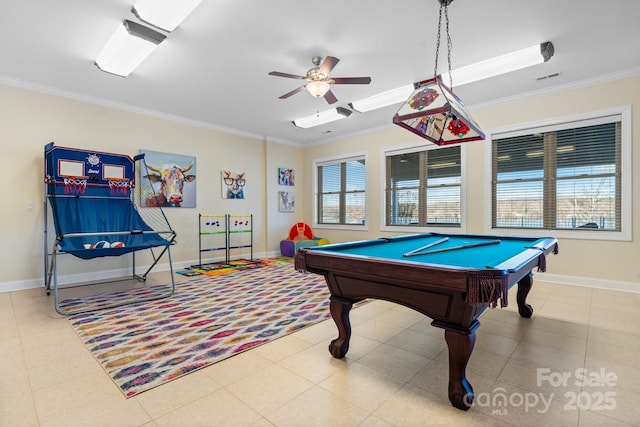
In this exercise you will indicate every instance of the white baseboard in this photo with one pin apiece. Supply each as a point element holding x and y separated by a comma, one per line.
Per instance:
<point>68,279</point>
<point>588,282</point>
<point>113,274</point>
<point>98,276</point>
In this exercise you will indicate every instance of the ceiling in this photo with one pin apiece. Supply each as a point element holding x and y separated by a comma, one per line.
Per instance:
<point>213,69</point>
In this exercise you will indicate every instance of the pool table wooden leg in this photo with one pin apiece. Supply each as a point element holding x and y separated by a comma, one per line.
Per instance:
<point>524,286</point>
<point>460,347</point>
<point>340,309</point>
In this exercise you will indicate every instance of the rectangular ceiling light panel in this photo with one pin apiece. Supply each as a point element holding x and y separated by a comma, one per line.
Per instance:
<point>322,117</point>
<point>164,14</point>
<point>496,66</point>
<point>131,44</point>
<point>383,99</point>
<point>471,73</point>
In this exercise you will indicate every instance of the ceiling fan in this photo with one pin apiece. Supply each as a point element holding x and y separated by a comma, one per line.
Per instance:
<point>318,80</point>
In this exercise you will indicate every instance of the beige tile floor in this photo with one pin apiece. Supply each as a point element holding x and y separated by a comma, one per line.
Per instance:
<point>395,373</point>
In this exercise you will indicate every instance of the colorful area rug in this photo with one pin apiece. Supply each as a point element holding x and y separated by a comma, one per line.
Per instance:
<point>209,319</point>
<point>219,268</point>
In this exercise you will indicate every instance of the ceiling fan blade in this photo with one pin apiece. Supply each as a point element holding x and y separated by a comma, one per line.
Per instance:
<point>293,92</point>
<point>291,76</point>
<point>327,65</point>
<point>330,97</point>
<point>351,80</point>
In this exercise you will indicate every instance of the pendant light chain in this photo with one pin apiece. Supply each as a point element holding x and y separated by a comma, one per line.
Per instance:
<point>449,46</point>
<point>443,5</point>
<point>435,69</point>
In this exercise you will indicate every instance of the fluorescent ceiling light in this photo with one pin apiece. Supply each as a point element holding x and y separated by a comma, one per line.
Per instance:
<point>500,64</point>
<point>164,14</point>
<point>478,71</point>
<point>131,44</point>
<point>383,99</point>
<point>322,117</point>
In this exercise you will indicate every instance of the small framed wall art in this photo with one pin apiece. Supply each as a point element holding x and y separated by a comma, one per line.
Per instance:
<point>286,176</point>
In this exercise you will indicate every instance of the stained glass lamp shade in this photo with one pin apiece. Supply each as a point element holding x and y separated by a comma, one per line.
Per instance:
<point>437,114</point>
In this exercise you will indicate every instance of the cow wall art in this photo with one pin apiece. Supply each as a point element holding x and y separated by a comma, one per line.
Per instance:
<point>172,177</point>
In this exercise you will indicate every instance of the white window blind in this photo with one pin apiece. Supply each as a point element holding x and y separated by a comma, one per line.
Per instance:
<point>567,178</point>
<point>341,192</point>
<point>423,188</point>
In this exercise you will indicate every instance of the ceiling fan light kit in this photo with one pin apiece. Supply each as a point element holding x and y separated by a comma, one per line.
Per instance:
<point>318,88</point>
<point>318,82</point>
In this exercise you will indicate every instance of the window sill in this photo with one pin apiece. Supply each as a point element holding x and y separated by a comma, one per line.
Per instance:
<point>416,229</point>
<point>582,234</point>
<point>352,227</point>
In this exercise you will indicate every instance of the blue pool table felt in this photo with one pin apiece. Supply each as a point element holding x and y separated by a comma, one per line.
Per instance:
<point>480,257</point>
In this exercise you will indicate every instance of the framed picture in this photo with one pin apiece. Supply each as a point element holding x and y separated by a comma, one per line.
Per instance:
<point>233,185</point>
<point>286,176</point>
<point>286,201</point>
<point>172,177</point>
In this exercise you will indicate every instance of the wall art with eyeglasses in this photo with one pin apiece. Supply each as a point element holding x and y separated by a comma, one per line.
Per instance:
<point>233,185</point>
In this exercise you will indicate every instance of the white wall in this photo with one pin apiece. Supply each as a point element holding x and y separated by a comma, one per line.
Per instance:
<point>603,263</point>
<point>29,120</point>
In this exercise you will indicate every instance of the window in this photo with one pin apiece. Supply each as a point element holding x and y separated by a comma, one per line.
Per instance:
<point>424,188</point>
<point>341,191</point>
<point>564,176</point>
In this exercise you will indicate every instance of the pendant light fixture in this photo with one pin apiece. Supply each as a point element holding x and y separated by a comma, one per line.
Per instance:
<point>433,111</point>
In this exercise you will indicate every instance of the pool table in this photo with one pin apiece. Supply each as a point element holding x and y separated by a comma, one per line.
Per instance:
<point>451,278</point>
